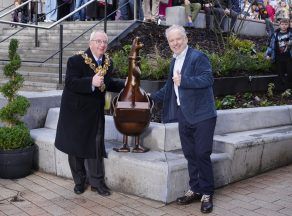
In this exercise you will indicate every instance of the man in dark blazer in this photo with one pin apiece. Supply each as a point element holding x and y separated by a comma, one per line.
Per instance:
<point>80,130</point>
<point>188,98</point>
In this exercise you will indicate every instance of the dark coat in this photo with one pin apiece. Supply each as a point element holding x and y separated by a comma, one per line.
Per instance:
<point>271,50</point>
<point>195,91</point>
<point>81,121</point>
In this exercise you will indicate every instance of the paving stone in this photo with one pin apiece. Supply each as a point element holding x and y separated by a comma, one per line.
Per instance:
<point>275,199</point>
<point>286,211</point>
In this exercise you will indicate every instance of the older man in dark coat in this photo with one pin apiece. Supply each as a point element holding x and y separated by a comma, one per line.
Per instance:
<point>80,131</point>
<point>188,99</point>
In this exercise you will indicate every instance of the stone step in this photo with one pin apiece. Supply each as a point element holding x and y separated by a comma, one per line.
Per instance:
<point>38,67</point>
<point>39,76</point>
<point>55,36</point>
<point>35,86</point>
<point>72,25</point>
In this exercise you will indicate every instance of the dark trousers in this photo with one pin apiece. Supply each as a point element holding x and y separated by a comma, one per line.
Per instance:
<point>221,18</point>
<point>208,11</point>
<point>197,142</point>
<point>283,69</point>
<point>93,169</point>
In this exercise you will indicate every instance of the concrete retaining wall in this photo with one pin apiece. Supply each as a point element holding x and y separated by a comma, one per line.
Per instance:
<point>247,142</point>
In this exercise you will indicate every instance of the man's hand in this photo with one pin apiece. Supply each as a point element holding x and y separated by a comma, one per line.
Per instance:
<point>208,5</point>
<point>268,57</point>
<point>97,80</point>
<point>187,2</point>
<point>176,78</point>
<point>227,11</point>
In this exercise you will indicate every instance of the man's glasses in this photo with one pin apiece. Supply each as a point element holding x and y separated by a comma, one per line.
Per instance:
<point>99,42</point>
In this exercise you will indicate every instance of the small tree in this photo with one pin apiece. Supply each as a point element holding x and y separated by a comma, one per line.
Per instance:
<point>14,134</point>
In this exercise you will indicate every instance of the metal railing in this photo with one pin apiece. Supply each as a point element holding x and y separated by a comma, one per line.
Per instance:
<point>61,47</point>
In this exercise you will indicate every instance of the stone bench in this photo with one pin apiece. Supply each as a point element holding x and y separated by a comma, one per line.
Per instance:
<point>246,142</point>
<point>160,174</point>
<point>176,15</point>
<point>257,139</point>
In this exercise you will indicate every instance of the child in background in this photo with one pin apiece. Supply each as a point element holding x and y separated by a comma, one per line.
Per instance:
<point>280,52</point>
<point>16,13</point>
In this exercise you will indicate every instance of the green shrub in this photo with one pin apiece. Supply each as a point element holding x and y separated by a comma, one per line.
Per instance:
<point>14,137</point>
<point>155,68</point>
<point>239,55</point>
<point>14,134</point>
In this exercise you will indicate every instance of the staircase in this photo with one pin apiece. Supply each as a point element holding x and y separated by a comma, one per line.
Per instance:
<point>44,76</point>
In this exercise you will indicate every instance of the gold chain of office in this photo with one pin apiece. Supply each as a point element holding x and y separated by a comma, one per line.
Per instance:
<point>100,70</point>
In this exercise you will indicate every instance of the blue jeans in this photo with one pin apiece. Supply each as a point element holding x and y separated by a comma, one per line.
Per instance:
<point>50,6</point>
<point>125,10</point>
<point>80,15</point>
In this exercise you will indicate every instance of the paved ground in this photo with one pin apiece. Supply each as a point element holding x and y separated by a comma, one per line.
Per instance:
<point>269,194</point>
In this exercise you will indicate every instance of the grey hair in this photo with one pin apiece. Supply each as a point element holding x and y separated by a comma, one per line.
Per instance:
<point>92,35</point>
<point>178,28</point>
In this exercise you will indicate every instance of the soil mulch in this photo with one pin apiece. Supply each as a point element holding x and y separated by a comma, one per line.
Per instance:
<point>153,38</point>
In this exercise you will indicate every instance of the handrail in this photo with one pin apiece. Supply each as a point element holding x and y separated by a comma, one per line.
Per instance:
<point>44,27</point>
<point>87,30</point>
<point>6,8</point>
<point>23,27</point>
<point>19,6</point>
<point>61,47</point>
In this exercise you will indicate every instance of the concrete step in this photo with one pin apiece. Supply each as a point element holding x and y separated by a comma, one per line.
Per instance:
<point>35,86</point>
<point>73,26</point>
<point>38,67</point>
<point>55,36</point>
<point>38,76</point>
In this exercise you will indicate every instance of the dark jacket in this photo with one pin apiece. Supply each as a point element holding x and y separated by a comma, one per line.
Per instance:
<point>271,51</point>
<point>195,90</point>
<point>81,119</point>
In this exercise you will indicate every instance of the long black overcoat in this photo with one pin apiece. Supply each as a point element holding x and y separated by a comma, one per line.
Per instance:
<point>80,130</point>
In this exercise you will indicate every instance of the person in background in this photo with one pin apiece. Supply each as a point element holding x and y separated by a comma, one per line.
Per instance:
<point>51,11</point>
<point>188,99</point>
<point>80,15</point>
<point>192,8</point>
<point>16,14</point>
<point>208,6</point>
<point>263,14</point>
<point>280,52</point>
<point>127,10</point>
<point>270,10</point>
<point>223,10</point>
<point>64,7</point>
<point>151,10</point>
<point>162,8</point>
<point>282,11</point>
<point>246,9</point>
<point>80,130</point>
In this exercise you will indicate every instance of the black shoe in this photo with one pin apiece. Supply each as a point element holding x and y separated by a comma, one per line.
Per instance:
<point>102,190</point>
<point>207,203</point>
<point>79,189</point>
<point>188,198</point>
<point>105,186</point>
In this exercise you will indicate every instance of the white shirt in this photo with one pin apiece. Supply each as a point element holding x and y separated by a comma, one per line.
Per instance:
<point>179,61</point>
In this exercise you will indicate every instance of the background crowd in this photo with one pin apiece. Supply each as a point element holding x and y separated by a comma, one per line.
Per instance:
<point>269,11</point>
